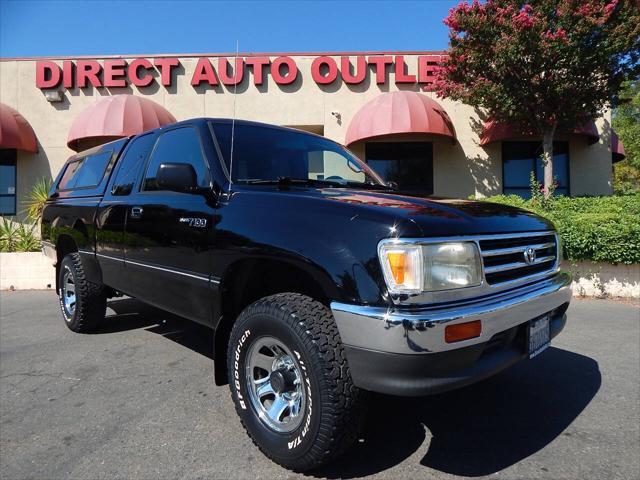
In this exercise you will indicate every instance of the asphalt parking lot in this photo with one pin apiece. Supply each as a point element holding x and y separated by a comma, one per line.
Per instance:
<point>137,400</point>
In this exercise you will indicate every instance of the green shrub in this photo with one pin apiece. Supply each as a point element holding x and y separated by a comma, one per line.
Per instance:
<point>17,237</point>
<point>27,240</point>
<point>36,199</point>
<point>603,229</point>
<point>8,235</point>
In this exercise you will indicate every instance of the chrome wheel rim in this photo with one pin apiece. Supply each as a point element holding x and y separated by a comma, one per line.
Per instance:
<point>68,292</point>
<point>274,383</point>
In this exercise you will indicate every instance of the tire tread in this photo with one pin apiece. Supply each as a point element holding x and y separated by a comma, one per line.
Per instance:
<point>342,402</point>
<point>91,299</point>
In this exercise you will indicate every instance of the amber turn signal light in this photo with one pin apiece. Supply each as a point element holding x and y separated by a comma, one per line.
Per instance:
<point>398,265</point>
<point>462,331</point>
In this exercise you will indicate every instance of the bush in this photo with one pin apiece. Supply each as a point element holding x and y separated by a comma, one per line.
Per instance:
<point>602,229</point>
<point>36,199</point>
<point>17,237</point>
<point>626,178</point>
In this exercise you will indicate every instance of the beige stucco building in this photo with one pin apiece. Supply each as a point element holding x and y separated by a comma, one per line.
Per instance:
<point>321,93</point>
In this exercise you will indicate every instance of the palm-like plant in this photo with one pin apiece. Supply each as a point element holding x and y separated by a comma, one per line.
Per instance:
<point>18,237</point>
<point>27,240</point>
<point>8,235</point>
<point>36,198</point>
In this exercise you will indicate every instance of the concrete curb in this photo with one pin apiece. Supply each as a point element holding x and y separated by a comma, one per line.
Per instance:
<point>26,271</point>
<point>604,280</point>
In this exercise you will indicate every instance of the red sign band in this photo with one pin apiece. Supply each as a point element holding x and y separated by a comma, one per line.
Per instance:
<point>141,72</point>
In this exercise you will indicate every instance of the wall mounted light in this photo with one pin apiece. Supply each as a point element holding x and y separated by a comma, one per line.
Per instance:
<point>53,95</point>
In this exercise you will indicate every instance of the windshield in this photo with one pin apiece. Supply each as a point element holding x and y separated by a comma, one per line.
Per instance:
<point>263,153</point>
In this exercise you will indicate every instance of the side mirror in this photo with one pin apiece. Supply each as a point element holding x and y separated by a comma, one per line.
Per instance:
<point>177,177</point>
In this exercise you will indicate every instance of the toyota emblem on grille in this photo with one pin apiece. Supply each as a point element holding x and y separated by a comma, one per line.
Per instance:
<point>529,256</point>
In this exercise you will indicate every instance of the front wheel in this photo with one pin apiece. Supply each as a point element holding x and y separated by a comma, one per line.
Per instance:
<point>290,381</point>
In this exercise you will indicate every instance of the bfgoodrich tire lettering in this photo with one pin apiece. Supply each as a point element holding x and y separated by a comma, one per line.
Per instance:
<point>333,406</point>
<point>83,304</point>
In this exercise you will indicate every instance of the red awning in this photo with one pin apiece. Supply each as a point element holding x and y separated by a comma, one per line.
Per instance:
<point>617,149</point>
<point>15,131</point>
<point>116,117</point>
<point>494,131</point>
<point>399,112</point>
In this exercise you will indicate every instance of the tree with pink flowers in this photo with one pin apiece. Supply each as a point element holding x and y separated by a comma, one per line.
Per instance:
<point>542,65</point>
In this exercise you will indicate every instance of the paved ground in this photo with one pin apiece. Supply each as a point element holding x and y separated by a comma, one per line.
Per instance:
<point>137,400</point>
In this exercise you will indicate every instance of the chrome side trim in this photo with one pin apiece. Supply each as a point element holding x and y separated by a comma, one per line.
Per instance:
<point>168,270</point>
<point>399,330</point>
<point>108,257</point>
<point>205,278</point>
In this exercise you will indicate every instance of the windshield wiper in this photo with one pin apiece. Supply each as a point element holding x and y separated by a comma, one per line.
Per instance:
<point>285,181</point>
<point>368,185</point>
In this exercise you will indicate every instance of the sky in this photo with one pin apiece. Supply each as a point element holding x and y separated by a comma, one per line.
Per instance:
<point>70,28</point>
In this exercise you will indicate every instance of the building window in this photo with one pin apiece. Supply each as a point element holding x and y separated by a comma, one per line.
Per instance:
<point>8,182</point>
<point>519,159</point>
<point>409,164</point>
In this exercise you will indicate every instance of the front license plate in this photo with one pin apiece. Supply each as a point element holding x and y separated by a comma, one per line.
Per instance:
<point>538,335</point>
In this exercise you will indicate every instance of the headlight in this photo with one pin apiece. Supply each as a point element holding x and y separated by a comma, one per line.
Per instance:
<point>451,265</point>
<point>415,268</point>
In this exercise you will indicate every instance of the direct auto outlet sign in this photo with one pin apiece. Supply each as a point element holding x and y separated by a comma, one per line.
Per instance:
<point>213,71</point>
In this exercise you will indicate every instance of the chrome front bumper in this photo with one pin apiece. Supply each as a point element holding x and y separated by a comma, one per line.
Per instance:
<point>405,331</point>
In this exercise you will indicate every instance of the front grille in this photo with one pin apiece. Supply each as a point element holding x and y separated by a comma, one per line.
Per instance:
<point>505,259</point>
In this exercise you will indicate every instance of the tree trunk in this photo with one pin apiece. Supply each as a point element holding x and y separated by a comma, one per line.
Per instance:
<point>547,161</point>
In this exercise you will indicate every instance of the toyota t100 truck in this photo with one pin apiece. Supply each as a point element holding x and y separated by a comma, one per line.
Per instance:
<point>320,281</point>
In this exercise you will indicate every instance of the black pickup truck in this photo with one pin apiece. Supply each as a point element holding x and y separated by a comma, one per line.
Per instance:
<point>320,281</point>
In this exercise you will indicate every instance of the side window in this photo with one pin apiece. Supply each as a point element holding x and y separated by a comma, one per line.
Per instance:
<point>134,157</point>
<point>85,172</point>
<point>92,170</point>
<point>69,173</point>
<point>181,145</point>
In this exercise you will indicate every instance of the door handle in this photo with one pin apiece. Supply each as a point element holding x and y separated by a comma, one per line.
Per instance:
<point>136,212</point>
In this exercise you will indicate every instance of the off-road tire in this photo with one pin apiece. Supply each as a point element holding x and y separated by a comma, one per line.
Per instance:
<point>334,416</point>
<point>91,299</point>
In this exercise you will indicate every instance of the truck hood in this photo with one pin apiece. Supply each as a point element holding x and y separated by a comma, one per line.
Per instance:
<point>420,216</point>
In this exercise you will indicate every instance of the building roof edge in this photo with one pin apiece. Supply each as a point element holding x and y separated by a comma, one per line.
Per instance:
<point>232,54</point>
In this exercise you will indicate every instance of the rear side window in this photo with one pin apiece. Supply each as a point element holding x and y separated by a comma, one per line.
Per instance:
<point>181,145</point>
<point>131,164</point>
<point>69,173</point>
<point>85,172</point>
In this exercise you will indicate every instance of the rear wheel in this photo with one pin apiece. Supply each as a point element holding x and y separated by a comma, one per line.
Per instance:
<point>290,381</point>
<point>83,303</point>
